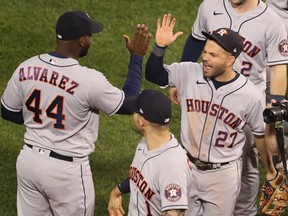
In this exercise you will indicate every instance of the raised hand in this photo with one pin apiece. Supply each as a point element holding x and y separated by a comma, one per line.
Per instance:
<point>139,44</point>
<point>164,34</point>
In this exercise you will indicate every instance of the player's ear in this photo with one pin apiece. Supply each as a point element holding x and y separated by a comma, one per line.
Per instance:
<point>82,41</point>
<point>142,121</point>
<point>230,60</point>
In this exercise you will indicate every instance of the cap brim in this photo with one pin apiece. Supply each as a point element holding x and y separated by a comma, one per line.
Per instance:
<point>96,27</point>
<point>212,37</point>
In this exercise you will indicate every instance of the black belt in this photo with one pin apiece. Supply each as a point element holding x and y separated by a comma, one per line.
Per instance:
<point>56,155</point>
<point>201,165</point>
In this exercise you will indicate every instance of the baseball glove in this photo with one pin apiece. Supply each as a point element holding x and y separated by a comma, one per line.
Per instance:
<point>274,196</point>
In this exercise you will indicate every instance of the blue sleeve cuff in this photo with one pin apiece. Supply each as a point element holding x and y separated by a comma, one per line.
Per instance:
<point>124,186</point>
<point>277,97</point>
<point>159,51</point>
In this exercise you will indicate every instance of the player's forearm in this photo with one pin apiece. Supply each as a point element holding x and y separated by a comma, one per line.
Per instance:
<point>132,86</point>
<point>265,157</point>
<point>270,140</point>
<point>15,117</point>
<point>278,80</point>
<point>155,71</point>
<point>192,49</point>
<point>178,212</point>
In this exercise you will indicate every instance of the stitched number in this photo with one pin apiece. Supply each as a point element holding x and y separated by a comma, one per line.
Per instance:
<point>222,136</point>
<point>246,68</point>
<point>33,105</point>
<point>233,136</point>
<point>54,110</point>
<point>148,209</point>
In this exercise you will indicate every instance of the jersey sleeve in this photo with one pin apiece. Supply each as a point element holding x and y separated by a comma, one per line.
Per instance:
<point>12,98</point>
<point>179,73</point>
<point>173,182</point>
<point>277,45</point>
<point>255,118</point>
<point>200,23</point>
<point>105,97</point>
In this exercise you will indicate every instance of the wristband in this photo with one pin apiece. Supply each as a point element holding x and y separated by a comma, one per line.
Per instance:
<point>124,186</point>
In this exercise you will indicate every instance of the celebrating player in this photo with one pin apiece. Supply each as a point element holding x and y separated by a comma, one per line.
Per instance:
<point>58,101</point>
<point>212,114</point>
<point>263,47</point>
<point>160,174</point>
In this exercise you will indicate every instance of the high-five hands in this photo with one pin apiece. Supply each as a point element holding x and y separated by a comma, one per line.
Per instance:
<point>164,34</point>
<point>139,44</point>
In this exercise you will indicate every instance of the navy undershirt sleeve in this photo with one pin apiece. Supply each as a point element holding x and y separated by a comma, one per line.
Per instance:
<point>155,71</point>
<point>132,86</point>
<point>192,49</point>
<point>15,117</point>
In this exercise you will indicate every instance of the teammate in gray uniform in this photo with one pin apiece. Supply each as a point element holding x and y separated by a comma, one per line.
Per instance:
<point>281,8</point>
<point>216,102</point>
<point>263,47</point>
<point>160,174</point>
<point>58,101</point>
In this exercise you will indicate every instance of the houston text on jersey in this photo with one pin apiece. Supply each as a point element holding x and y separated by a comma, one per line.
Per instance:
<point>229,118</point>
<point>136,176</point>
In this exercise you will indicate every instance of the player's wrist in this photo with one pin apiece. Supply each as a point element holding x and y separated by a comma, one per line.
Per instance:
<point>124,186</point>
<point>159,51</point>
<point>115,192</point>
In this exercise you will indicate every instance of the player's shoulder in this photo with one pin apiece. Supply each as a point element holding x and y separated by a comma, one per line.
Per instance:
<point>173,148</point>
<point>250,87</point>
<point>30,60</point>
<point>268,13</point>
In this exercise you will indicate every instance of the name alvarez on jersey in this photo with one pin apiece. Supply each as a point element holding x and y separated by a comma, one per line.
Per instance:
<point>51,77</point>
<point>222,113</point>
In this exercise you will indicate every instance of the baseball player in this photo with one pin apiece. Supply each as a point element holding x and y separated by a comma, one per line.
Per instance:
<point>58,101</point>
<point>216,102</point>
<point>263,47</point>
<point>160,173</point>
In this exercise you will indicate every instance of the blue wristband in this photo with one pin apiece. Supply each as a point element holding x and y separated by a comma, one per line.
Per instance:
<point>277,97</point>
<point>124,186</point>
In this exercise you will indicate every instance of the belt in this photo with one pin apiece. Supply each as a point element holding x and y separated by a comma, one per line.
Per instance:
<point>201,165</point>
<point>56,155</point>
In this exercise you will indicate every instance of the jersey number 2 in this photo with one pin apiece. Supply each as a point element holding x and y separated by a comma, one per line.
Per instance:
<point>54,110</point>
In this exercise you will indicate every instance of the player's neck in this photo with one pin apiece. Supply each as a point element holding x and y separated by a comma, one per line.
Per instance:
<point>245,7</point>
<point>157,139</point>
<point>227,76</point>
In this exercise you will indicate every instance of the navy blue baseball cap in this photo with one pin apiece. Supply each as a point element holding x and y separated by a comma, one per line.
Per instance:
<point>228,39</point>
<point>154,106</point>
<point>75,24</point>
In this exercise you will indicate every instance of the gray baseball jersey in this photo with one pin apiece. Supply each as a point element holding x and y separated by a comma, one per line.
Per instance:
<point>159,179</point>
<point>266,46</point>
<point>212,119</point>
<point>281,8</point>
<point>61,98</point>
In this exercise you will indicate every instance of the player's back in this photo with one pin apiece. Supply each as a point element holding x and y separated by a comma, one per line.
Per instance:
<point>61,102</point>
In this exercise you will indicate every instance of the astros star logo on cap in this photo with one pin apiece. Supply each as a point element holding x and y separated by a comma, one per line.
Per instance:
<point>222,32</point>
